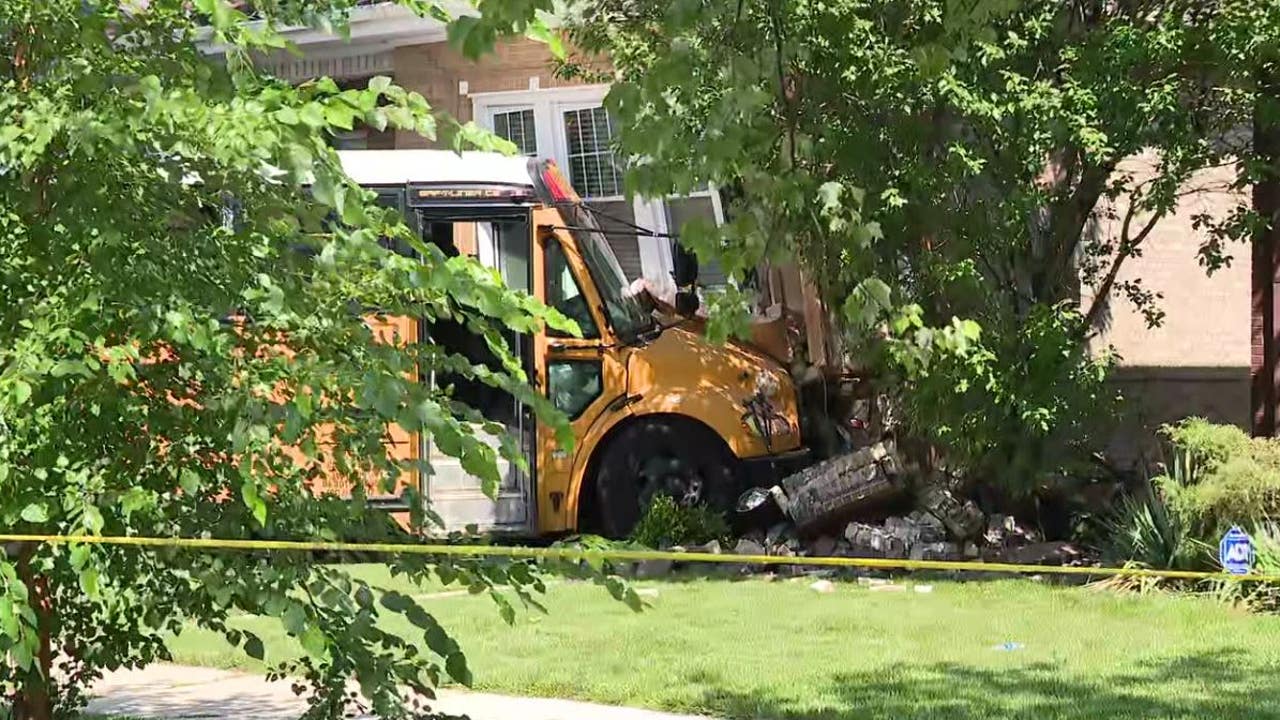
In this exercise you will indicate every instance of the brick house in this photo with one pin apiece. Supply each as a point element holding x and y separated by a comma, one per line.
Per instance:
<point>1197,363</point>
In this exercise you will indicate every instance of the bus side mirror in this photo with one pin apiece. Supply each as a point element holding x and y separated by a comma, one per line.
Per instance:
<point>684,270</point>
<point>684,265</point>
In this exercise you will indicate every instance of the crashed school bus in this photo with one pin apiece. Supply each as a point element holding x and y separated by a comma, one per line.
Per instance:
<point>655,408</point>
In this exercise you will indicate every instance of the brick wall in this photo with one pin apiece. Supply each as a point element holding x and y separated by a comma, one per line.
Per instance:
<point>435,69</point>
<point>1197,361</point>
<point>1206,320</point>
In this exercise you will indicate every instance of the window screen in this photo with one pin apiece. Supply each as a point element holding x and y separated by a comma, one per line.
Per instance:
<point>592,169</point>
<point>518,127</point>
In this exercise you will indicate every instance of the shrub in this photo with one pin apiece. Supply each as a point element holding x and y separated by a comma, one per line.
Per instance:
<point>668,523</point>
<point>1241,491</point>
<point>1221,477</point>
<point>1145,531</point>
<point>1200,446</point>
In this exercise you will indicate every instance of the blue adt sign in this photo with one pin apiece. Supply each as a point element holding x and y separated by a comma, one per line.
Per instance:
<point>1235,552</point>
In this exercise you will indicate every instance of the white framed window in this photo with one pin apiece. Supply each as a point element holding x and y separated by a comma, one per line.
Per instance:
<point>571,126</point>
<point>588,134</point>
<point>517,125</point>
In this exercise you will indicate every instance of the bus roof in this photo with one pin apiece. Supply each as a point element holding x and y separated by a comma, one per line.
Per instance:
<point>444,167</point>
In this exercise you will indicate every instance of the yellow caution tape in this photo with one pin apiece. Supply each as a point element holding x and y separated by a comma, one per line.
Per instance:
<point>572,553</point>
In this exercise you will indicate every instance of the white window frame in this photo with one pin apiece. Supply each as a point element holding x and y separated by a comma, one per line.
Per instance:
<point>541,138</point>
<point>562,147</point>
<point>549,106</point>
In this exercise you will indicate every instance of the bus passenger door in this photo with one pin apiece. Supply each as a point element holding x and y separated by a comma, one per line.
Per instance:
<point>457,497</point>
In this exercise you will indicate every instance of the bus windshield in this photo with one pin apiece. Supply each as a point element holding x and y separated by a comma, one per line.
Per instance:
<point>625,312</point>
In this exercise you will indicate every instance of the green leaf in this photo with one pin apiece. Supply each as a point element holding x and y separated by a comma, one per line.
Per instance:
<point>135,499</point>
<point>294,619</point>
<point>397,601</point>
<point>456,666</point>
<point>189,481</point>
<point>505,610</point>
<point>89,582</point>
<point>287,116</point>
<point>340,115</point>
<point>70,367</point>
<point>35,513</point>
<point>312,115</point>
<point>313,640</point>
<point>379,83</point>
<point>253,648</point>
<point>80,555</point>
<point>541,32</point>
<point>253,500</point>
<point>21,392</point>
<point>22,655</point>
<point>93,522</point>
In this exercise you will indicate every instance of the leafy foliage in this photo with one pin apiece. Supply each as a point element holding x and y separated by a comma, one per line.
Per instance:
<point>964,182</point>
<point>1218,477</point>
<point>1221,477</point>
<point>1144,531</point>
<point>667,523</point>
<point>172,365</point>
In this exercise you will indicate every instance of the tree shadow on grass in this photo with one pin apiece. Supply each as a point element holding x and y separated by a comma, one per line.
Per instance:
<point>1219,684</point>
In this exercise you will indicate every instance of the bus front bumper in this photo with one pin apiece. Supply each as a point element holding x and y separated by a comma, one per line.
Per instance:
<point>767,470</point>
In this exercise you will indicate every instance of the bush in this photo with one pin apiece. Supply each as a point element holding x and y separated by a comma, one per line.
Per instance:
<point>1221,477</point>
<point>1200,446</point>
<point>1145,531</point>
<point>668,523</point>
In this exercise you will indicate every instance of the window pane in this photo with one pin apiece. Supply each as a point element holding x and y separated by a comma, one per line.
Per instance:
<point>512,240</point>
<point>573,385</point>
<point>518,127</point>
<point>593,169</point>
<point>564,294</point>
<point>683,210</point>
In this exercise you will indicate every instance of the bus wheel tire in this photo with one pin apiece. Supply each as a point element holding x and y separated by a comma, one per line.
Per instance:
<point>684,460</point>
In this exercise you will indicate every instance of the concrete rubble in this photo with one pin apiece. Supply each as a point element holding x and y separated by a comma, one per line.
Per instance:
<point>875,504</point>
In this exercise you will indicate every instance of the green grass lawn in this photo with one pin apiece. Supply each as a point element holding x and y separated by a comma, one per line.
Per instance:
<point>756,649</point>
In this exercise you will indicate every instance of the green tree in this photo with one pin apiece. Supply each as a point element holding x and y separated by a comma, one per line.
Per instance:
<point>957,176</point>
<point>184,273</point>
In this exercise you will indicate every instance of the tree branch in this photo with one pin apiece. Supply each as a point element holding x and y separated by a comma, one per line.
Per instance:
<point>1127,248</point>
<point>1069,219</point>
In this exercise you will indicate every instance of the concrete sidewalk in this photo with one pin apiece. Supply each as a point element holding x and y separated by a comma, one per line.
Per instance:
<point>174,692</point>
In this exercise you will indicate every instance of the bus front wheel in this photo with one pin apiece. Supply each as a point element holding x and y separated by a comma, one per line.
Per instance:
<point>684,460</point>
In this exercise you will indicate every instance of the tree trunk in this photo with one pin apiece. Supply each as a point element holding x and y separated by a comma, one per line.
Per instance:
<point>1265,345</point>
<point>34,701</point>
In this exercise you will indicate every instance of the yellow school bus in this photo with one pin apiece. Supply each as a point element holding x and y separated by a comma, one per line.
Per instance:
<point>655,408</point>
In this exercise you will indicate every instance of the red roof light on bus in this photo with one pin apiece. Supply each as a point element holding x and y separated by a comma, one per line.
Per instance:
<point>557,185</point>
